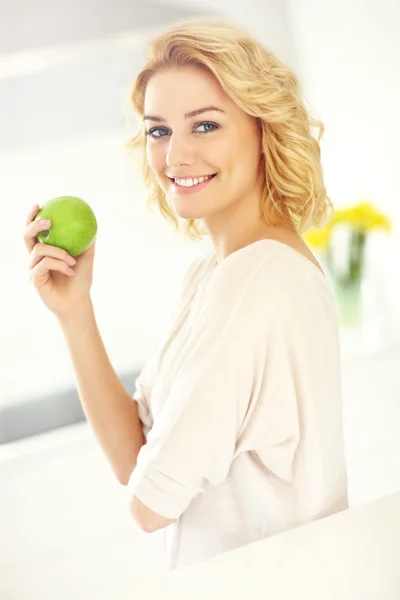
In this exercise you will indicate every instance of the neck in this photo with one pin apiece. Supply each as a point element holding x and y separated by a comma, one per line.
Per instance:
<point>240,226</point>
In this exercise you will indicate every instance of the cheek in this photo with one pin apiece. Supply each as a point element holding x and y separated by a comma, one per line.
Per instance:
<point>155,153</point>
<point>228,153</point>
<point>248,160</point>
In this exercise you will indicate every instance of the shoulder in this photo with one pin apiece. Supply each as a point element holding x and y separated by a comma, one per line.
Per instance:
<point>272,278</point>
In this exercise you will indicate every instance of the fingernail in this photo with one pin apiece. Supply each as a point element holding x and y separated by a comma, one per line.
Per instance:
<point>70,260</point>
<point>44,223</point>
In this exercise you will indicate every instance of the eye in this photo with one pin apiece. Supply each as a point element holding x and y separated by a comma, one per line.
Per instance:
<point>151,132</point>
<point>161,130</point>
<point>212,125</point>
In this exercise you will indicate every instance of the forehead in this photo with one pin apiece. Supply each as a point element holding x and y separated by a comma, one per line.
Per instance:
<point>183,89</point>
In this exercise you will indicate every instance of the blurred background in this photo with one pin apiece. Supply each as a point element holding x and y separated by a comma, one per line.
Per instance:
<point>65,72</point>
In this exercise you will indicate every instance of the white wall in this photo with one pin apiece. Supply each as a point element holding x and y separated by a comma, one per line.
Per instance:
<point>349,57</point>
<point>266,19</point>
<point>349,61</point>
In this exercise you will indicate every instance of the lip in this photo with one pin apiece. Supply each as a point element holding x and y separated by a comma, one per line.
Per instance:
<point>182,190</point>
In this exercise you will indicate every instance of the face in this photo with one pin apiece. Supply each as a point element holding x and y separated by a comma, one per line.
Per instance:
<point>188,140</point>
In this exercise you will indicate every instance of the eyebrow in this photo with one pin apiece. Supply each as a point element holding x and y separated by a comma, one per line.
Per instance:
<point>187,115</point>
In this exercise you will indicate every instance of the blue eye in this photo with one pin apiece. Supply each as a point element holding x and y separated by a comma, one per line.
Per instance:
<point>213,127</point>
<point>151,132</point>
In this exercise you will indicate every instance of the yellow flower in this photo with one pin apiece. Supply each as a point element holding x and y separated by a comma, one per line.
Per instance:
<point>362,216</point>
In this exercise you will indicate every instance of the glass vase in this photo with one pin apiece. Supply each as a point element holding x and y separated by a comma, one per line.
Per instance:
<point>349,299</point>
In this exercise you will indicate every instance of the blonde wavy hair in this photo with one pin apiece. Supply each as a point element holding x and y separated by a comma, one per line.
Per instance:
<point>264,88</point>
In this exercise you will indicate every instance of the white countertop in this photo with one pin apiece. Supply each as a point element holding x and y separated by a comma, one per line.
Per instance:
<point>353,555</point>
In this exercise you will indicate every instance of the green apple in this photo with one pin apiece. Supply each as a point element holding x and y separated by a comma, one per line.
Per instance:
<point>73,224</point>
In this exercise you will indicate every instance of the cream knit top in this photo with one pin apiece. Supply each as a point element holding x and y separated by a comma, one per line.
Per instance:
<point>241,404</point>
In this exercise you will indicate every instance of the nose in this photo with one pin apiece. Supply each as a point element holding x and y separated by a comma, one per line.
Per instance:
<point>179,152</point>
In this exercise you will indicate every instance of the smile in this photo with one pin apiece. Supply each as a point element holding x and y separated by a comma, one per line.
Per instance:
<point>189,185</point>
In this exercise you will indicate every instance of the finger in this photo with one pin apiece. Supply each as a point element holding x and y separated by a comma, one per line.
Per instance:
<point>31,231</point>
<point>41,251</point>
<point>47,264</point>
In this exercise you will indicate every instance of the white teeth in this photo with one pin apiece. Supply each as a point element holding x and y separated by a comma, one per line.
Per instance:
<point>191,182</point>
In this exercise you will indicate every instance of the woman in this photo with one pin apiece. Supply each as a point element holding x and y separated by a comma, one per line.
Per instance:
<point>235,433</point>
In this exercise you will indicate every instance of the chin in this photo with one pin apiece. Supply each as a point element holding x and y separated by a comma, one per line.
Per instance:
<point>183,210</point>
<point>189,214</point>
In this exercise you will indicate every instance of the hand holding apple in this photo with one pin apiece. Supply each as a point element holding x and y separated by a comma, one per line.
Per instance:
<point>62,281</point>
